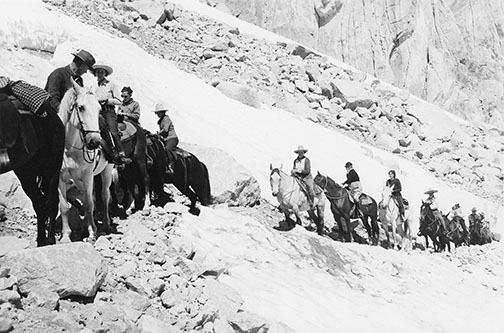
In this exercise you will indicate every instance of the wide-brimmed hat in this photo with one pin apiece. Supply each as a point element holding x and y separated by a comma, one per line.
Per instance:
<point>474,209</point>
<point>106,68</point>
<point>455,206</point>
<point>160,107</point>
<point>430,191</point>
<point>85,56</point>
<point>300,149</point>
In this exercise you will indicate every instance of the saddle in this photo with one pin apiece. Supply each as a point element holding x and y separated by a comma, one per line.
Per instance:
<point>126,130</point>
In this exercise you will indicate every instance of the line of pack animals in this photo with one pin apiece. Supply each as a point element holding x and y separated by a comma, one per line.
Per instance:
<point>62,142</point>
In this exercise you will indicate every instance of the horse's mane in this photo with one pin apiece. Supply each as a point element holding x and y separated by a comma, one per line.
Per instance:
<point>66,104</point>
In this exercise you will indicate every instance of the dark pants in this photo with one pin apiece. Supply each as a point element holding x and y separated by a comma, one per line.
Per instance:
<point>399,201</point>
<point>110,117</point>
<point>170,144</point>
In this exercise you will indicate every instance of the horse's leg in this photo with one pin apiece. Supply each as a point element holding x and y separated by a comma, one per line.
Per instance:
<point>88,184</point>
<point>314,218</point>
<point>64,207</point>
<point>387,234</point>
<point>348,236</point>
<point>29,184</point>
<point>394,229</point>
<point>106,176</point>
<point>365,221</point>
<point>297,214</point>
<point>320,219</point>
<point>50,182</point>
<point>375,228</point>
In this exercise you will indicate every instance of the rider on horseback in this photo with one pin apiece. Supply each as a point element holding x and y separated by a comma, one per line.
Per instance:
<point>354,186</point>
<point>107,94</point>
<point>168,134</point>
<point>396,191</point>
<point>302,171</point>
<point>456,215</point>
<point>432,202</point>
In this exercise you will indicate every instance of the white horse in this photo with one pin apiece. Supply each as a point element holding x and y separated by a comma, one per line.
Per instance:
<point>79,111</point>
<point>293,199</point>
<point>390,218</point>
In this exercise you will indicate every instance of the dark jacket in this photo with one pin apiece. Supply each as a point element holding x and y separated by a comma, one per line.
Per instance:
<point>58,84</point>
<point>351,177</point>
<point>397,185</point>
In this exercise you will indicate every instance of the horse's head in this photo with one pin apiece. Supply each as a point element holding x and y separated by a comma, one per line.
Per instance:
<point>275,178</point>
<point>386,195</point>
<point>82,110</point>
<point>319,180</point>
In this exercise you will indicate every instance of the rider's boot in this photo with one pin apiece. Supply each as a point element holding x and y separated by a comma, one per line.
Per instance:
<point>120,158</point>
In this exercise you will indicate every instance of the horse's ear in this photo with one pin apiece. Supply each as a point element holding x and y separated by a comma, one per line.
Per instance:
<point>76,86</point>
<point>271,167</point>
<point>281,166</point>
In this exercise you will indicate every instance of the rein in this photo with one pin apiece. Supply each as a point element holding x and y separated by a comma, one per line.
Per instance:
<point>327,194</point>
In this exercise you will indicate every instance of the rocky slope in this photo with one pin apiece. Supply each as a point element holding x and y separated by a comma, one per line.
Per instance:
<point>308,84</point>
<point>447,52</point>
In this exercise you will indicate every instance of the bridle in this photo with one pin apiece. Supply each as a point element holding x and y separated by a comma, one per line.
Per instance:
<point>87,155</point>
<point>324,188</point>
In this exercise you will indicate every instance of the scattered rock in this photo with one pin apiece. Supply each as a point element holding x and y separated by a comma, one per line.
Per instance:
<point>241,93</point>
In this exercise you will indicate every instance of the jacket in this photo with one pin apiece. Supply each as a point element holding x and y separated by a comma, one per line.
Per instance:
<point>351,177</point>
<point>302,167</point>
<point>397,185</point>
<point>58,84</point>
<point>166,128</point>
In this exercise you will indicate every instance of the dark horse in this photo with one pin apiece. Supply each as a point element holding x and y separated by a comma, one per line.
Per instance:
<point>341,207</point>
<point>28,151</point>
<point>190,175</point>
<point>480,233</point>
<point>134,178</point>
<point>431,227</point>
<point>453,232</point>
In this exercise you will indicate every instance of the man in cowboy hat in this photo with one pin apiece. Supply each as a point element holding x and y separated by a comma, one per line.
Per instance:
<point>168,134</point>
<point>354,186</point>
<point>432,202</point>
<point>59,81</point>
<point>107,94</point>
<point>302,170</point>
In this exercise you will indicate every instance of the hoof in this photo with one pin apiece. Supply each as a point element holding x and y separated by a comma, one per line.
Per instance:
<point>194,211</point>
<point>65,239</point>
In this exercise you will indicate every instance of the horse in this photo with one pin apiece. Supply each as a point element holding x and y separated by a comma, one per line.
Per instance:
<point>453,233</point>
<point>190,175</point>
<point>156,168</point>
<point>292,198</point>
<point>35,161</point>
<point>341,204</point>
<point>480,233</point>
<point>79,111</point>
<point>390,217</point>
<point>134,178</point>
<point>369,209</point>
<point>431,227</point>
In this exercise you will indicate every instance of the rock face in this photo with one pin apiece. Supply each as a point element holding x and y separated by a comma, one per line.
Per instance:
<point>75,269</point>
<point>447,52</point>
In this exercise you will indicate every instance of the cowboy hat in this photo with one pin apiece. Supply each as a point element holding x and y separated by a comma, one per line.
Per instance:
<point>457,205</point>
<point>160,107</point>
<point>301,149</point>
<point>106,68</point>
<point>430,191</point>
<point>85,56</point>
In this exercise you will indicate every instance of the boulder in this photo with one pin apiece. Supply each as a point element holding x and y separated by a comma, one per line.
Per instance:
<point>353,94</point>
<point>244,321</point>
<point>74,269</point>
<point>241,93</point>
<point>222,297</point>
<point>10,244</point>
<point>247,193</point>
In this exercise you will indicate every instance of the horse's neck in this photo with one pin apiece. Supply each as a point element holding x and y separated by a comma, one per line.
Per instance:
<point>287,184</point>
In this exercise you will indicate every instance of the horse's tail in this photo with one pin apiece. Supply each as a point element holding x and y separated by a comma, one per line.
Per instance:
<point>205,196</point>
